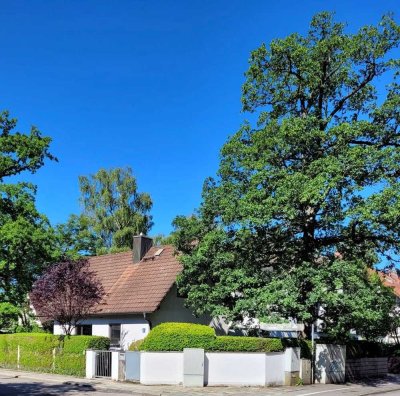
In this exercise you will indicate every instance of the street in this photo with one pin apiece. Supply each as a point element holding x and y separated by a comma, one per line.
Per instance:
<point>15,383</point>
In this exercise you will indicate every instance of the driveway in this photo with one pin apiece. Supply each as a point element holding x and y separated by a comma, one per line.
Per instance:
<point>15,383</point>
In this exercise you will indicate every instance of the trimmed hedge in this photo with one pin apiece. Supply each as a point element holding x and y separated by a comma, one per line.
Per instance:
<point>77,344</point>
<point>177,336</point>
<point>36,352</point>
<point>246,344</point>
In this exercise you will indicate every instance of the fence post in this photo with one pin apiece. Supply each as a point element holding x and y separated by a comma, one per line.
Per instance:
<point>115,365</point>
<point>53,366</point>
<point>18,356</point>
<point>291,366</point>
<point>90,363</point>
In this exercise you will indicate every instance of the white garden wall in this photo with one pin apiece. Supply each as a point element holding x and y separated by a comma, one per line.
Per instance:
<point>220,368</point>
<point>274,367</point>
<point>163,368</point>
<point>217,368</point>
<point>224,368</point>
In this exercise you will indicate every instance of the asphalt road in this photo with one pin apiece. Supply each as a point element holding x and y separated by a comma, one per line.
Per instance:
<point>13,383</point>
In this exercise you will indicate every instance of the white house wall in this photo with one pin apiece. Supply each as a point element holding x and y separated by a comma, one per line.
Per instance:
<point>132,328</point>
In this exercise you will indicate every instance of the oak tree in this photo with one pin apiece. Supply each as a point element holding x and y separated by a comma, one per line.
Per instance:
<point>308,198</point>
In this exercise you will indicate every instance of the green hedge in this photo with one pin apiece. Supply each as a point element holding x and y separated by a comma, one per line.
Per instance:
<point>177,336</point>
<point>36,352</point>
<point>246,344</point>
<point>361,349</point>
<point>77,344</point>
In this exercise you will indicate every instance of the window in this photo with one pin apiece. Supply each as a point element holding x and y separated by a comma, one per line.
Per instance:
<point>115,335</point>
<point>84,330</point>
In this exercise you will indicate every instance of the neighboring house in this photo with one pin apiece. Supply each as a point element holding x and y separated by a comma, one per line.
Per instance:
<point>391,279</point>
<point>140,294</point>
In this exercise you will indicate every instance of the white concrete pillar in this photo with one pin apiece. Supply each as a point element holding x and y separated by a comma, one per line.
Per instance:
<point>90,363</point>
<point>330,364</point>
<point>305,371</point>
<point>291,366</point>
<point>115,365</point>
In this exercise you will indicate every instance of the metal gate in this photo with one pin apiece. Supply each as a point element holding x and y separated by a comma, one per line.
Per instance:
<point>103,364</point>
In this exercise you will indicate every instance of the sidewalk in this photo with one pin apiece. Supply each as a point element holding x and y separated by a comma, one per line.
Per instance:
<point>78,385</point>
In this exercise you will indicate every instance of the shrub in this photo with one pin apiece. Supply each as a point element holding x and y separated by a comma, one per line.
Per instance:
<point>304,345</point>
<point>135,346</point>
<point>246,344</point>
<point>78,344</point>
<point>8,316</point>
<point>36,352</point>
<point>176,336</point>
<point>360,349</point>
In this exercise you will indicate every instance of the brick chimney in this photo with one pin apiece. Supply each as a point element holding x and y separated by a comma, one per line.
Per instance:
<point>141,245</point>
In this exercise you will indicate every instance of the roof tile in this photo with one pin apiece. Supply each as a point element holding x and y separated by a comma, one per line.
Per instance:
<point>135,287</point>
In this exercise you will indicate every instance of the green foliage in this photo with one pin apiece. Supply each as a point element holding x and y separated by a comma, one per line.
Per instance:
<point>75,238</point>
<point>366,349</point>
<point>114,211</point>
<point>246,344</point>
<point>304,345</point>
<point>47,352</point>
<point>20,152</point>
<point>136,345</point>
<point>29,240</point>
<point>25,235</point>
<point>176,336</point>
<point>161,239</point>
<point>31,328</point>
<point>306,200</point>
<point>8,317</point>
<point>77,344</point>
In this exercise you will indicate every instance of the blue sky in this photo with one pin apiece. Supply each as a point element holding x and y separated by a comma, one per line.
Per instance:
<point>154,85</point>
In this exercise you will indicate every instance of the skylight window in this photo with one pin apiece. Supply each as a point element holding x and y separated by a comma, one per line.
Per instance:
<point>158,252</point>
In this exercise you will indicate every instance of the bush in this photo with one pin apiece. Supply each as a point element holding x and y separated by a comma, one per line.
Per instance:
<point>361,349</point>
<point>8,316</point>
<point>79,344</point>
<point>246,344</point>
<point>36,352</point>
<point>304,345</point>
<point>135,346</point>
<point>176,336</point>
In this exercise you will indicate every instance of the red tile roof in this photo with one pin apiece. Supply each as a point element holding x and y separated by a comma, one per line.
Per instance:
<point>391,279</point>
<point>135,287</point>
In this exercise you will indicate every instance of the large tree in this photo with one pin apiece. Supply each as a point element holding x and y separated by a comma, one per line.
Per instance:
<point>76,238</point>
<point>308,199</point>
<point>113,208</point>
<point>26,238</point>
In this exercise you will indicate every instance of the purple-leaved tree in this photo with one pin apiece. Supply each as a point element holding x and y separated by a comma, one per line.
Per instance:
<point>67,293</point>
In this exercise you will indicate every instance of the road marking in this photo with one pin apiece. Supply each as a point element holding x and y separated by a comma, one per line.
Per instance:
<point>325,391</point>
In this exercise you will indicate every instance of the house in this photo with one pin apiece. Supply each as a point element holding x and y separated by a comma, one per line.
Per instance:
<point>140,293</point>
<point>391,279</point>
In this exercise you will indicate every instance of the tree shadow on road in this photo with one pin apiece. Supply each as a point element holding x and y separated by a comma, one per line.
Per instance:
<point>17,388</point>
